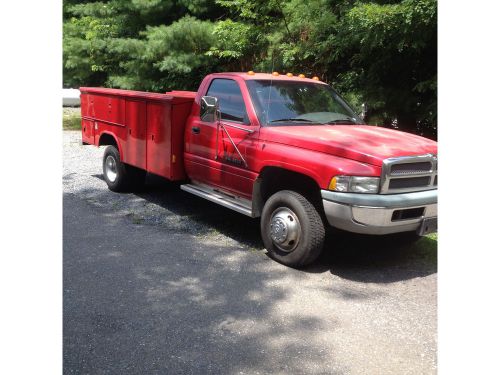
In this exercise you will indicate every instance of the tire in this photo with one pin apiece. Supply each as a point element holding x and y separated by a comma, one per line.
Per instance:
<point>292,230</point>
<point>118,176</point>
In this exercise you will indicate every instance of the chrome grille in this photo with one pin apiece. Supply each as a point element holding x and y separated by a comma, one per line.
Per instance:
<point>411,168</point>
<point>409,173</point>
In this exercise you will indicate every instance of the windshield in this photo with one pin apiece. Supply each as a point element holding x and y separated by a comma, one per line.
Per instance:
<point>299,103</point>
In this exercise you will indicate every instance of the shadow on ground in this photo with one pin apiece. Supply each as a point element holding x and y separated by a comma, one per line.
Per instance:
<point>206,216</point>
<point>376,259</point>
<point>136,304</point>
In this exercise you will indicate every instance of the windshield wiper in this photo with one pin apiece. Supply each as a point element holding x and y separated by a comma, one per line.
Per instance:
<point>343,121</point>
<point>292,119</point>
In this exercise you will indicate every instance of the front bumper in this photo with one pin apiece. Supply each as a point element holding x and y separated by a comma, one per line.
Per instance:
<point>375,213</point>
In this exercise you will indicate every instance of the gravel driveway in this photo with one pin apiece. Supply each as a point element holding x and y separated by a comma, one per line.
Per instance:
<point>368,306</point>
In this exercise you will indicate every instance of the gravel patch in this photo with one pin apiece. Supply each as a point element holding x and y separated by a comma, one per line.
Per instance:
<point>161,202</point>
<point>368,306</point>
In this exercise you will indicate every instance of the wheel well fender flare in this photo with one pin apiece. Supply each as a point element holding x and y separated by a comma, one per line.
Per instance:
<point>104,139</point>
<point>273,178</point>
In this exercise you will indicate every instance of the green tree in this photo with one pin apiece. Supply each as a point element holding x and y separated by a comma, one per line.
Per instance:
<point>381,52</point>
<point>168,57</point>
<point>392,50</point>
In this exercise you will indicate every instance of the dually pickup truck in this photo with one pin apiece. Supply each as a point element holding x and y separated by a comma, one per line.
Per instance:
<point>285,148</point>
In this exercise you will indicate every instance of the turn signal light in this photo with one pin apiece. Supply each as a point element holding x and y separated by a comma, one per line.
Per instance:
<point>333,184</point>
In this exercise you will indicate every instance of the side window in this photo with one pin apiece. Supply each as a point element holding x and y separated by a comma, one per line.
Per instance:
<point>231,104</point>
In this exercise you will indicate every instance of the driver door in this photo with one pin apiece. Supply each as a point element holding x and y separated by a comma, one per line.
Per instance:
<point>229,168</point>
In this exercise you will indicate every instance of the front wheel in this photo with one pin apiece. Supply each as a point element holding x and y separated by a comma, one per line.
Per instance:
<point>292,230</point>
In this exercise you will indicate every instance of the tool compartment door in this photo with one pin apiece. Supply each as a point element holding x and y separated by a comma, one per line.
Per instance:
<point>159,135</point>
<point>136,122</point>
<point>87,111</point>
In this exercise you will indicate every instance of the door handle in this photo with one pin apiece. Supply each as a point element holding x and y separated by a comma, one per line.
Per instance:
<point>195,130</point>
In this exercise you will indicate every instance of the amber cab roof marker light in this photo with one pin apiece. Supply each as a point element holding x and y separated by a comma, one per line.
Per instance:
<point>316,78</point>
<point>251,73</point>
<point>289,75</point>
<point>302,76</point>
<point>276,74</point>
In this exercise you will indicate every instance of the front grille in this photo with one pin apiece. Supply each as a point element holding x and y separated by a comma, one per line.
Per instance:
<point>411,168</point>
<point>409,173</point>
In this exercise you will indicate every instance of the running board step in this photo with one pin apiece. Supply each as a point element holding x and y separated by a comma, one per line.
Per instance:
<point>243,206</point>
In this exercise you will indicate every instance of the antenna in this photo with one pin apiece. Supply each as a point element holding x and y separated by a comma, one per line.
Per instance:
<point>270,87</point>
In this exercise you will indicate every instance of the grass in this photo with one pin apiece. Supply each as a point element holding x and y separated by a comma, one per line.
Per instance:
<point>72,119</point>
<point>429,242</point>
<point>426,248</point>
<point>433,236</point>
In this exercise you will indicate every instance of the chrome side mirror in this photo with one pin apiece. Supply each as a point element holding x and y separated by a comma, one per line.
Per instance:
<point>209,108</point>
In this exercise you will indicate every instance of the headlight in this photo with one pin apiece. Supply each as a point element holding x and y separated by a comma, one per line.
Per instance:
<point>355,184</point>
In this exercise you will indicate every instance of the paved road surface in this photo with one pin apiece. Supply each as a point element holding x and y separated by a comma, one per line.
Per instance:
<point>161,282</point>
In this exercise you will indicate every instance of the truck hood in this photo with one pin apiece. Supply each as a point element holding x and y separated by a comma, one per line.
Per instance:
<point>364,143</point>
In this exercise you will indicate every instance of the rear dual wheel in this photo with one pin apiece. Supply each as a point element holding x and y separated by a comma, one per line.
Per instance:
<point>119,176</point>
<point>292,230</point>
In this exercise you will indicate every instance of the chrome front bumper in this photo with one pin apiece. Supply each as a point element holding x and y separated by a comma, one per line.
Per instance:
<point>373,213</point>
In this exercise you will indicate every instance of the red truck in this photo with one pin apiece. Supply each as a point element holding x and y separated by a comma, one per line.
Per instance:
<point>287,149</point>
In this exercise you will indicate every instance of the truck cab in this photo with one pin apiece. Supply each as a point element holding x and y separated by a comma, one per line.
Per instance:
<point>290,150</point>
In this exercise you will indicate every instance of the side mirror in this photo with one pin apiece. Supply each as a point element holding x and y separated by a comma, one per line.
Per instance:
<point>209,109</point>
<point>364,111</point>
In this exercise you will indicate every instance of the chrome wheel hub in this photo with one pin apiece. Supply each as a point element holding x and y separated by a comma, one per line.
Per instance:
<point>110,168</point>
<point>284,229</point>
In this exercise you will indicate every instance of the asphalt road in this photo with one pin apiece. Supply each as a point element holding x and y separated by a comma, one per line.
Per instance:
<point>161,282</point>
